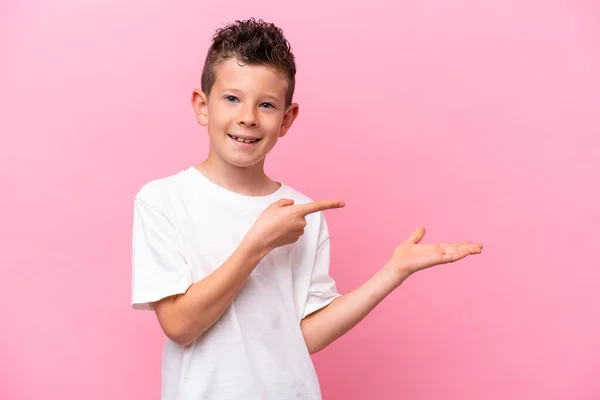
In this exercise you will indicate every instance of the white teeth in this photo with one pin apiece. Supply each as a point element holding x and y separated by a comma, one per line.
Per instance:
<point>244,140</point>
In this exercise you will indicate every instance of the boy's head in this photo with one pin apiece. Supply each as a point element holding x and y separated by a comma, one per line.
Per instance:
<point>252,43</point>
<point>246,92</point>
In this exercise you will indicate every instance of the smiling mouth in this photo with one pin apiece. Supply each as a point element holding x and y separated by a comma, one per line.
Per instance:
<point>244,140</point>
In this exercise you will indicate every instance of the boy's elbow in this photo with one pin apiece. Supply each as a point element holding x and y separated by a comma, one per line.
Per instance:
<point>176,332</point>
<point>313,348</point>
<point>179,332</point>
<point>312,344</point>
<point>174,326</point>
<point>180,338</point>
<point>312,341</point>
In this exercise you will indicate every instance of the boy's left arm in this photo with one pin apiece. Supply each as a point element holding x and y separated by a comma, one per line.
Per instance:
<point>329,323</point>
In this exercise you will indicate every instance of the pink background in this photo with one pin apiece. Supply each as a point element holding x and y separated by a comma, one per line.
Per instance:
<point>479,120</point>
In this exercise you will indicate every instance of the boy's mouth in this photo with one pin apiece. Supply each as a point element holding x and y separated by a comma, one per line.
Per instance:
<point>241,140</point>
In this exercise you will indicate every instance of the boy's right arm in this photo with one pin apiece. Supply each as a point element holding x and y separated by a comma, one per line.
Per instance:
<point>184,317</point>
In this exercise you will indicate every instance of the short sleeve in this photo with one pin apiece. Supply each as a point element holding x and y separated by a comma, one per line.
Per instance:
<point>322,289</point>
<point>159,267</point>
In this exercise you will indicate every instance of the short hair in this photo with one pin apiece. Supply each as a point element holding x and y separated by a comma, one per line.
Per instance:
<point>254,43</point>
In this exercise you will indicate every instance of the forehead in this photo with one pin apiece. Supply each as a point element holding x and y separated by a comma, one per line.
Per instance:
<point>257,79</point>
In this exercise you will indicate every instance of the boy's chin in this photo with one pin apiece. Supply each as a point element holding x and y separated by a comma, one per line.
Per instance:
<point>244,163</point>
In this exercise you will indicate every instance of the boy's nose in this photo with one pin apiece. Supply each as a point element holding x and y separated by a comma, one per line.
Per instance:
<point>248,117</point>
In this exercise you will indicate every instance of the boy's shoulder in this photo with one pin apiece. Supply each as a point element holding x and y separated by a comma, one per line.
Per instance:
<point>155,190</point>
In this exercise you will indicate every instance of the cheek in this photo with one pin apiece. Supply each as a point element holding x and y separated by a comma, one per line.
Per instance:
<point>272,124</point>
<point>218,117</point>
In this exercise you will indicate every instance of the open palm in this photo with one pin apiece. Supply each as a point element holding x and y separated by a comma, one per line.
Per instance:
<point>410,256</point>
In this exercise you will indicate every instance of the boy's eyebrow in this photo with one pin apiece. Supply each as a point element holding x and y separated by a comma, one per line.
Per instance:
<point>229,90</point>
<point>271,97</point>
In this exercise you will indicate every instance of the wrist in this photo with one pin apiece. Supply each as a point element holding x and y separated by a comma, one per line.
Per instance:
<point>254,249</point>
<point>395,272</point>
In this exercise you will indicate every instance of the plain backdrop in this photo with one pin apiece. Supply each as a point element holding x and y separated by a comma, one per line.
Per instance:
<point>479,120</point>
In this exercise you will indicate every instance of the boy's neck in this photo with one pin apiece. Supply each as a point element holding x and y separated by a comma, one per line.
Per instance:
<point>247,181</point>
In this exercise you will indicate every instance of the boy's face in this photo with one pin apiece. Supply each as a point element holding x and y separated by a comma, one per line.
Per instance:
<point>246,103</point>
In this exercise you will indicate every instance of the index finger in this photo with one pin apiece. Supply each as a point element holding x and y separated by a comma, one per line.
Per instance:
<point>317,206</point>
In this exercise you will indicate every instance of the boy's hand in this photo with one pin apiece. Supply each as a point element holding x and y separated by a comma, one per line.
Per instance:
<point>410,256</point>
<point>283,223</point>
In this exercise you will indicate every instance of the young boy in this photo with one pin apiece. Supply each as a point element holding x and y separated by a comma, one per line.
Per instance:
<point>236,265</point>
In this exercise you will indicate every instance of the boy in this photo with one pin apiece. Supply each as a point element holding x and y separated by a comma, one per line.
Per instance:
<point>236,265</point>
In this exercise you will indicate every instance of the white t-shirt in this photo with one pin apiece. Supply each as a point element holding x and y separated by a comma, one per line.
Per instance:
<point>185,226</point>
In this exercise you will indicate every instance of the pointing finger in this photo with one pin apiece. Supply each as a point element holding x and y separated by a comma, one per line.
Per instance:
<point>317,206</point>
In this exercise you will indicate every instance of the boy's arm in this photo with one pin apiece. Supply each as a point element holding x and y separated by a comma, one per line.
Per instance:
<point>342,314</point>
<point>184,317</point>
<point>331,322</point>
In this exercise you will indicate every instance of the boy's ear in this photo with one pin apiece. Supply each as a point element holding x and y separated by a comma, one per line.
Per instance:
<point>200,106</point>
<point>288,118</point>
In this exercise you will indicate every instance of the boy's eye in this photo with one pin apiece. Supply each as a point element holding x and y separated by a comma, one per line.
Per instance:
<point>233,99</point>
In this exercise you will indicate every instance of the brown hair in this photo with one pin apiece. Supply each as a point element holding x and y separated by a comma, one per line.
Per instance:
<point>254,43</point>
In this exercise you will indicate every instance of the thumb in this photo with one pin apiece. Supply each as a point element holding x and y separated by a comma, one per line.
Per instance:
<point>284,202</point>
<point>416,236</point>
